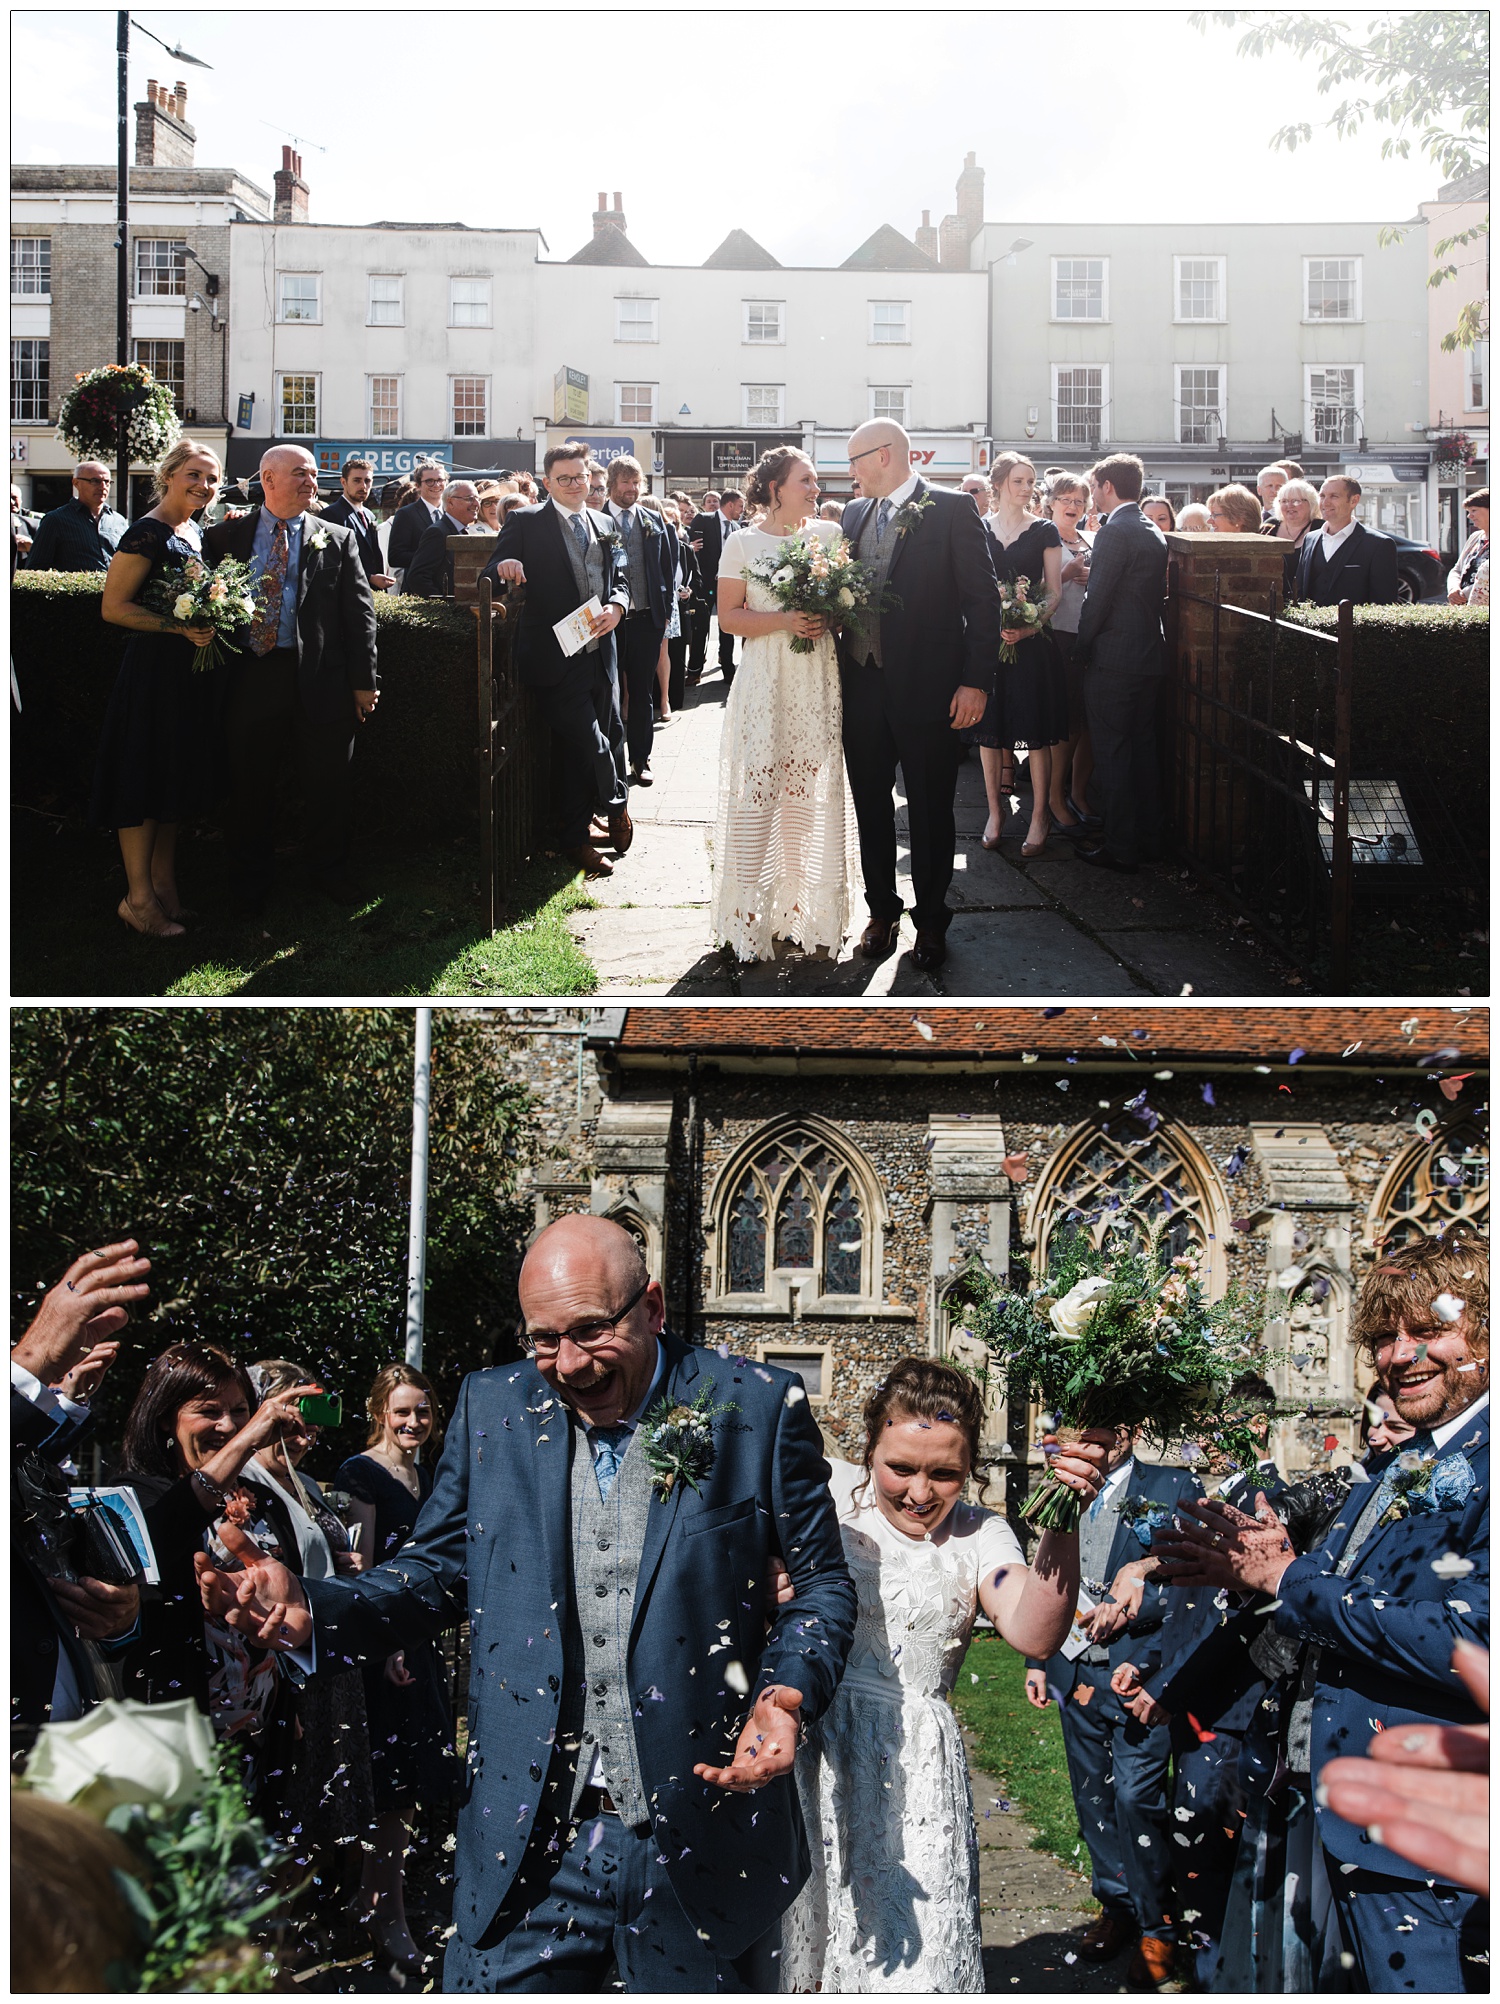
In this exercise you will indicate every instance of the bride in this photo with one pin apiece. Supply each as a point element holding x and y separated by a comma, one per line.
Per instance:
<point>785,862</point>
<point>892,1902</point>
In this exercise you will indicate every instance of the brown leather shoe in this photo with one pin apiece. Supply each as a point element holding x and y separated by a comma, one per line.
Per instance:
<point>1154,1966</point>
<point>879,938</point>
<point>1104,1938</point>
<point>621,830</point>
<point>588,859</point>
<point>930,951</point>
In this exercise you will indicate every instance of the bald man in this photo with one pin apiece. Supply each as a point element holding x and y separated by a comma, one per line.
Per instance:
<point>84,533</point>
<point>303,679</point>
<point>914,677</point>
<point>633,1725</point>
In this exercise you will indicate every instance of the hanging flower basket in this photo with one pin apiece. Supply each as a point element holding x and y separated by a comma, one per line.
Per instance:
<point>89,421</point>
<point>1454,451</point>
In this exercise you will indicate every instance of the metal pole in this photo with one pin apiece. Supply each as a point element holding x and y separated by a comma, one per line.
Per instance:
<point>416,1249</point>
<point>1343,848</point>
<point>122,248</point>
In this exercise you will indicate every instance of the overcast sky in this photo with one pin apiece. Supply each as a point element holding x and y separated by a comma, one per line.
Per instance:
<point>808,129</point>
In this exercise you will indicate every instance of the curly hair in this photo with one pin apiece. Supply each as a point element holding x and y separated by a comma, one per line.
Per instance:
<point>769,471</point>
<point>920,1388</point>
<point>1407,1280</point>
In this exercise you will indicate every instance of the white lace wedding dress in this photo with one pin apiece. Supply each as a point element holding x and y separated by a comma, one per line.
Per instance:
<point>893,1900</point>
<point>785,862</point>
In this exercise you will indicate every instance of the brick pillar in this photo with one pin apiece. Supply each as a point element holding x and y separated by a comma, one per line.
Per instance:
<point>1205,816</point>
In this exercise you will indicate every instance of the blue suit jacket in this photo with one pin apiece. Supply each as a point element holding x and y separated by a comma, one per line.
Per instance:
<point>1141,1642</point>
<point>498,1520</point>
<point>1386,1631</point>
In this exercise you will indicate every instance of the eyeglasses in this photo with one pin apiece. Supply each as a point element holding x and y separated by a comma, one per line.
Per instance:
<point>547,1342</point>
<point>856,457</point>
<point>570,479</point>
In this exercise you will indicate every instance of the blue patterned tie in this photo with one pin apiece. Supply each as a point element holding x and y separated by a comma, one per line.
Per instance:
<point>608,1445</point>
<point>581,535</point>
<point>882,516</point>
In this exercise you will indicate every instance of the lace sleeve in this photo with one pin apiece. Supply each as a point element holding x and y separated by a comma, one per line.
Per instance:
<point>142,539</point>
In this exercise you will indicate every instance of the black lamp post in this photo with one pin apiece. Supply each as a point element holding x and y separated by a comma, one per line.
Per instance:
<point>122,229</point>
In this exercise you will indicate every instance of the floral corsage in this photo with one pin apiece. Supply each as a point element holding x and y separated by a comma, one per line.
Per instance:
<point>678,1441</point>
<point>318,540</point>
<point>1145,1517</point>
<point>1423,1486</point>
<point>910,513</point>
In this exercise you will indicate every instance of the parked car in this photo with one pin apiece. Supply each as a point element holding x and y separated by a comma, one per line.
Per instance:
<point>1424,575</point>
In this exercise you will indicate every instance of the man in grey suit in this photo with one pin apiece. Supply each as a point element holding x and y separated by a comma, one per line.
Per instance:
<point>1123,648</point>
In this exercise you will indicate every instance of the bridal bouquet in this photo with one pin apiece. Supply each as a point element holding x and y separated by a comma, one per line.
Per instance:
<point>825,580</point>
<point>225,598</point>
<point>1017,609</point>
<point>1125,1336</point>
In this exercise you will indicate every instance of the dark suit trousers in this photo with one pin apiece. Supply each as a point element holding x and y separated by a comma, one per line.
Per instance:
<point>1121,705</point>
<point>603,1899</point>
<point>638,642</point>
<point>928,756</point>
<point>1118,1769</point>
<point>1439,1955</point>
<point>583,713</point>
<point>677,667</point>
<point>703,612</point>
<point>726,654</point>
<point>266,723</point>
<point>1207,1806</point>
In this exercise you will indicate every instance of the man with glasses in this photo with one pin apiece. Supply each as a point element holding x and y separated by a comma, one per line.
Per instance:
<point>83,534</point>
<point>566,553</point>
<point>411,523</point>
<point>634,1709</point>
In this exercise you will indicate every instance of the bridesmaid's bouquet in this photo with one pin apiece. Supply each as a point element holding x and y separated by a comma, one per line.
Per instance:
<point>1122,1335</point>
<point>825,580</point>
<point>225,598</point>
<point>1017,609</point>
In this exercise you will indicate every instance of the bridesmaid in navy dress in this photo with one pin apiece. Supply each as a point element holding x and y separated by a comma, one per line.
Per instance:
<point>412,1755</point>
<point>1029,708</point>
<point>156,751</point>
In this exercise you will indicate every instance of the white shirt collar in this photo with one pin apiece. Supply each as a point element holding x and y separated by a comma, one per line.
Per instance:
<point>1333,537</point>
<point>1117,1478</point>
<point>899,496</point>
<point>1441,1435</point>
<point>563,508</point>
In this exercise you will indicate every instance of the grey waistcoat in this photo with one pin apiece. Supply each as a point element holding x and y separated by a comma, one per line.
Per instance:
<point>633,540</point>
<point>589,577</point>
<point>882,559</point>
<point>607,1540</point>
<point>1095,1537</point>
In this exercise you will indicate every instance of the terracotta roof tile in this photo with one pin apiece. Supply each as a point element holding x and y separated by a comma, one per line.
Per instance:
<point>1199,1031</point>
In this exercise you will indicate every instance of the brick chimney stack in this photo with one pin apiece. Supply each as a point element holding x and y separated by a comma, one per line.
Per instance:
<point>604,216</point>
<point>291,189</point>
<point>927,236</point>
<point>163,137</point>
<point>971,197</point>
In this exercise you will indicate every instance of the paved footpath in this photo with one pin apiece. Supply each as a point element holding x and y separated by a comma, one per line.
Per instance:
<point>1050,927</point>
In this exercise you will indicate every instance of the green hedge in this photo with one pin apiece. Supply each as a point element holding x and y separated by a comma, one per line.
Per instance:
<point>1421,694</point>
<point>415,773</point>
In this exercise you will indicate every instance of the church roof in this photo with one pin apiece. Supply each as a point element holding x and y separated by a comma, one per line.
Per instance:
<point>740,252</point>
<point>1288,1040</point>
<point>888,250</point>
<point>608,245</point>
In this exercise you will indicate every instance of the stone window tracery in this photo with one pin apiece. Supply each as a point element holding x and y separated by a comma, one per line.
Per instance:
<point>1112,1175</point>
<point>1433,1183</point>
<point>796,1206</point>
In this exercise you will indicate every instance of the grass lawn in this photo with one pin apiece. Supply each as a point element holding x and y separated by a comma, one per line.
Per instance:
<point>416,931</point>
<point>1019,1745</point>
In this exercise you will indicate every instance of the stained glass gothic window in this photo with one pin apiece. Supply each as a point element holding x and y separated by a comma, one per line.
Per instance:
<point>1112,1177</point>
<point>797,1194</point>
<point>1435,1184</point>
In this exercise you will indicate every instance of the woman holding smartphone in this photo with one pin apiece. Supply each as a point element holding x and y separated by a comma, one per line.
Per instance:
<point>1073,762</point>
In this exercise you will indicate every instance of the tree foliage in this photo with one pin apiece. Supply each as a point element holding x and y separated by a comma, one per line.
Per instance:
<point>262,1158</point>
<point>1423,76</point>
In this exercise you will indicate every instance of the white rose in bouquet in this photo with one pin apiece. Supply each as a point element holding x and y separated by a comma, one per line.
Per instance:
<point>123,1751</point>
<point>1073,1314</point>
<point>183,608</point>
<point>846,598</point>
<point>783,576</point>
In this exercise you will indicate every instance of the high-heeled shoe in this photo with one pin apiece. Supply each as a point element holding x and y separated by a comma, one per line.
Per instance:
<point>1031,849</point>
<point>1072,831</point>
<point>1084,820</point>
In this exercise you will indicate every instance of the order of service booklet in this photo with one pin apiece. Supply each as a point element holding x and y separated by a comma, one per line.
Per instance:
<point>576,631</point>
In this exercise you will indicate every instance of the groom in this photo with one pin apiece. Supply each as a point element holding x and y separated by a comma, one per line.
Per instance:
<point>913,678</point>
<point>619,1638</point>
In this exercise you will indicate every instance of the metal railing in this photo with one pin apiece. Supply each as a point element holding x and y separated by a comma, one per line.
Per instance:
<point>512,745</point>
<point>1262,766</point>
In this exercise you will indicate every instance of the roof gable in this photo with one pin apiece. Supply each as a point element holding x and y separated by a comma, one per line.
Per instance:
<point>740,252</point>
<point>608,245</point>
<point>888,250</point>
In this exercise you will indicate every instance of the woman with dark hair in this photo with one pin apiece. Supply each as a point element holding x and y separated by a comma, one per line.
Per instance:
<point>195,1424</point>
<point>412,1758</point>
<point>1158,509</point>
<point>785,861</point>
<point>893,1900</point>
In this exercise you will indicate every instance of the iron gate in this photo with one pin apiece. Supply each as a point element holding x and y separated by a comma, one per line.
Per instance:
<point>512,744</point>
